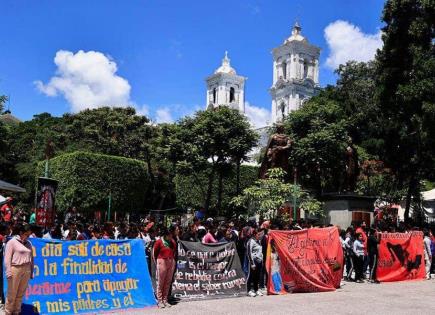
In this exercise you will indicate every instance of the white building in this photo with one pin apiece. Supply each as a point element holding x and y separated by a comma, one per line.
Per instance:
<point>226,88</point>
<point>295,74</point>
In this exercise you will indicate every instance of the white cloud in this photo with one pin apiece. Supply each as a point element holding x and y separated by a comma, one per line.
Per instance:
<point>87,80</point>
<point>258,116</point>
<point>143,110</point>
<point>347,42</point>
<point>164,115</point>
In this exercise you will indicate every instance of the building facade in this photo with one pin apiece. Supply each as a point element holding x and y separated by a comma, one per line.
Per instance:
<point>295,74</point>
<point>226,88</point>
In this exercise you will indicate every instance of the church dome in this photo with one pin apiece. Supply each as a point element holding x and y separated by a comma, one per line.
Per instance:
<point>225,67</point>
<point>296,35</point>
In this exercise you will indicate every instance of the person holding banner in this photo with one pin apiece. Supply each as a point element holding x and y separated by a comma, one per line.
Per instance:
<point>19,268</point>
<point>164,255</point>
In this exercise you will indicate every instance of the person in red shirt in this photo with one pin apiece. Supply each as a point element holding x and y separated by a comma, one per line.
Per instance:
<point>164,256</point>
<point>6,210</point>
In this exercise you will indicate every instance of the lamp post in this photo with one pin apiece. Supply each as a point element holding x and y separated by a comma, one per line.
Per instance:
<point>294,194</point>
<point>110,206</point>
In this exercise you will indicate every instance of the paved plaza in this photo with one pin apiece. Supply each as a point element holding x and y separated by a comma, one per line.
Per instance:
<point>417,297</point>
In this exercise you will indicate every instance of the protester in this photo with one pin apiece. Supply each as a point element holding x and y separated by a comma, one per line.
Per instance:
<point>191,235</point>
<point>209,236</point>
<point>348,254</point>
<point>164,255</point>
<point>432,249</point>
<point>361,229</point>
<point>32,219</point>
<point>372,250</point>
<point>4,232</point>
<point>358,251</point>
<point>427,253</point>
<point>255,258</point>
<point>18,262</point>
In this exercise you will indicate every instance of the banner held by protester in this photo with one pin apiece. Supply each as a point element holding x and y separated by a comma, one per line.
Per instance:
<point>401,257</point>
<point>304,261</point>
<point>76,277</point>
<point>208,271</point>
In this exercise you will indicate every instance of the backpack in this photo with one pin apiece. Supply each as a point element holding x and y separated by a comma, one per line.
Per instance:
<point>432,247</point>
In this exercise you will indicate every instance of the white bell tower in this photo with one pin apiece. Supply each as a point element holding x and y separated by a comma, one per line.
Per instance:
<point>226,88</point>
<point>295,74</point>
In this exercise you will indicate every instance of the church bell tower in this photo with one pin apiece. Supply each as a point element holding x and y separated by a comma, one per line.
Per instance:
<point>226,88</point>
<point>295,74</point>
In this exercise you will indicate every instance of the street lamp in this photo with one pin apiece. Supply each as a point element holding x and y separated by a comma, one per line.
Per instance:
<point>294,193</point>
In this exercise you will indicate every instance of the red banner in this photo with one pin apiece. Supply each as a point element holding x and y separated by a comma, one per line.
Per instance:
<point>304,261</point>
<point>401,257</point>
<point>45,208</point>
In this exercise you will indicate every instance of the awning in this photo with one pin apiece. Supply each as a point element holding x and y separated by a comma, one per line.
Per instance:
<point>10,187</point>
<point>429,195</point>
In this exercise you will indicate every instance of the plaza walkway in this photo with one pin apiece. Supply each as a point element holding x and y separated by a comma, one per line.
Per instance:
<point>389,298</point>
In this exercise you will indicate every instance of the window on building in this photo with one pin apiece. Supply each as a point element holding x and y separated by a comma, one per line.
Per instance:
<point>214,96</point>
<point>305,69</point>
<point>284,70</point>
<point>232,95</point>
<point>282,108</point>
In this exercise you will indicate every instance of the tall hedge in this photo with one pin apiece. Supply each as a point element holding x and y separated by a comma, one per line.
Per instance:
<point>86,180</point>
<point>191,189</point>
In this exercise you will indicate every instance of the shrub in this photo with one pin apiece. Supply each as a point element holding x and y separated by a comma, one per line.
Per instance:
<point>86,180</point>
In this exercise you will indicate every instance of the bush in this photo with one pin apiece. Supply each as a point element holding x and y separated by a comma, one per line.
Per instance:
<point>86,180</point>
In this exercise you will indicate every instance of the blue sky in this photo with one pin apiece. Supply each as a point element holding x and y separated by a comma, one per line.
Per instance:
<point>163,50</point>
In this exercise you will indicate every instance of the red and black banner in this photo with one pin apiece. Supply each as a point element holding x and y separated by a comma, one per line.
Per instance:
<point>45,201</point>
<point>401,257</point>
<point>304,261</point>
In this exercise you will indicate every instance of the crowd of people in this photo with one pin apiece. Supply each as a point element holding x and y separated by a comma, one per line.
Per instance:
<point>359,243</point>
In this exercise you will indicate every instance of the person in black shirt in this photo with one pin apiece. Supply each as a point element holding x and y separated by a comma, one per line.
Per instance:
<point>191,235</point>
<point>372,248</point>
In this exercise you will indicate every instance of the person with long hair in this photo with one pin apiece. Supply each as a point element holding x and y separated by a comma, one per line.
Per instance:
<point>348,253</point>
<point>19,268</point>
<point>255,258</point>
<point>164,255</point>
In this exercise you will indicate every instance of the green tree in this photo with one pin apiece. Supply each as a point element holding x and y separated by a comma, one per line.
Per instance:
<point>266,196</point>
<point>114,131</point>
<point>27,142</point>
<point>355,92</point>
<point>319,130</point>
<point>191,192</point>
<point>218,137</point>
<point>406,92</point>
